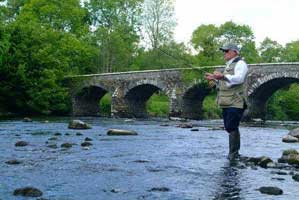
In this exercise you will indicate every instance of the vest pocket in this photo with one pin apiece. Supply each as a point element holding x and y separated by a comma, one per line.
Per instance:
<point>225,100</point>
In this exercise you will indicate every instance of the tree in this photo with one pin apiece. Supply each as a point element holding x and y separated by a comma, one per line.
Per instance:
<point>13,8</point>
<point>66,16</point>
<point>116,24</point>
<point>270,51</point>
<point>40,54</point>
<point>291,52</point>
<point>158,22</point>
<point>241,35</point>
<point>208,38</point>
<point>205,41</point>
<point>170,55</point>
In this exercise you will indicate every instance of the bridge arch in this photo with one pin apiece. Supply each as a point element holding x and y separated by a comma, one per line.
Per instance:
<point>86,100</point>
<point>264,87</point>
<point>192,101</point>
<point>136,96</point>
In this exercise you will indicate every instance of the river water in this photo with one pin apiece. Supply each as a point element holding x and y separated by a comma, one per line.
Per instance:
<point>162,162</point>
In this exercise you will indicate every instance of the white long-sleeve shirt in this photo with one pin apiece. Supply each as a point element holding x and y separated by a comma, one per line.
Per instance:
<point>240,72</point>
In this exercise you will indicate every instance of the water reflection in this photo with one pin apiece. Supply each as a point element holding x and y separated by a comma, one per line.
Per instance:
<point>229,186</point>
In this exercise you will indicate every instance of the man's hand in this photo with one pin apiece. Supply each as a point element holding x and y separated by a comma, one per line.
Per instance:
<point>218,75</point>
<point>209,76</point>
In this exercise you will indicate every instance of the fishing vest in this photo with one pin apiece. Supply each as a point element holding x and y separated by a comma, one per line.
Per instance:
<point>232,96</point>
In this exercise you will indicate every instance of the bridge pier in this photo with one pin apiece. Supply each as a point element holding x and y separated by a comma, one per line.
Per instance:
<point>256,109</point>
<point>85,107</point>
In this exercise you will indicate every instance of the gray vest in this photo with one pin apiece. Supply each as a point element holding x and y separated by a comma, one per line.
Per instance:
<point>230,96</point>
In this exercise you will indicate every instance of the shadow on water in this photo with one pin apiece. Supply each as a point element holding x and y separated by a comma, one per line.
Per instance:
<point>229,182</point>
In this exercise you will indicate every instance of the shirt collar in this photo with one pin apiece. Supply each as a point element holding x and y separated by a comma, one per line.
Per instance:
<point>231,60</point>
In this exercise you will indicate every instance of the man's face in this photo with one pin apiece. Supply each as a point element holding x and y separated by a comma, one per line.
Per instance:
<point>229,54</point>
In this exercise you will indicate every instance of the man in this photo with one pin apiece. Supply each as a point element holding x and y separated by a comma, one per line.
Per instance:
<point>230,95</point>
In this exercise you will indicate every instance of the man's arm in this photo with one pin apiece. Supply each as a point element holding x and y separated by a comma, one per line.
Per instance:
<point>239,75</point>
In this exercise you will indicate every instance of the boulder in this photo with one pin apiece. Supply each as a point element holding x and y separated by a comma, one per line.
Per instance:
<point>66,145</point>
<point>290,156</point>
<point>290,151</point>
<point>178,119</point>
<point>87,139</point>
<point>121,132</point>
<point>271,190</point>
<point>263,162</point>
<point>13,162</point>
<point>294,132</point>
<point>53,146</point>
<point>296,177</point>
<point>293,159</point>
<point>28,192</point>
<point>159,189</point>
<point>21,144</point>
<point>27,119</point>
<point>290,139</point>
<point>86,144</point>
<point>78,124</point>
<point>185,125</point>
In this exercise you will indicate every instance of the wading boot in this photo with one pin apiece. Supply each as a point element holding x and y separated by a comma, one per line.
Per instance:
<point>234,144</point>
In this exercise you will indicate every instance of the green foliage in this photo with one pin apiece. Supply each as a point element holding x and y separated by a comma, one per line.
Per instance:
<point>232,32</point>
<point>205,40</point>
<point>116,25</point>
<point>158,105</point>
<point>284,105</point>
<point>67,15</point>
<point>210,108</point>
<point>208,38</point>
<point>196,76</point>
<point>271,51</point>
<point>291,52</point>
<point>38,58</point>
<point>105,105</point>
<point>171,55</point>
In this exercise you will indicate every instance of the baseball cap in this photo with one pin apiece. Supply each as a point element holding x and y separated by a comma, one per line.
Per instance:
<point>230,46</point>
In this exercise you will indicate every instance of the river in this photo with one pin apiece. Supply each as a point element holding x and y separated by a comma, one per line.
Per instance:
<point>161,162</point>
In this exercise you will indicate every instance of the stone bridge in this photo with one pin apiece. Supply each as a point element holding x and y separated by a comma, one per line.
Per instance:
<point>185,88</point>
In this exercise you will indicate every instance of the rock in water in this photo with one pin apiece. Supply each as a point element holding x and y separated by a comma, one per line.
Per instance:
<point>271,190</point>
<point>28,192</point>
<point>296,177</point>
<point>78,124</point>
<point>264,161</point>
<point>159,189</point>
<point>86,144</point>
<point>21,144</point>
<point>290,139</point>
<point>294,132</point>
<point>13,162</point>
<point>66,145</point>
<point>27,119</point>
<point>120,132</point>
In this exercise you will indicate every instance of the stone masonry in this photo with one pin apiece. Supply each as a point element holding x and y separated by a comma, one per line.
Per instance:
<point>131,90</point>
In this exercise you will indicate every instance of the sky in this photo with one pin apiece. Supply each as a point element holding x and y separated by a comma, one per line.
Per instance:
<point>276,19</point>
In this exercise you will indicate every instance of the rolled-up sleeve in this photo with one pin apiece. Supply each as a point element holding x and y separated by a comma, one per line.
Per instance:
<point>239,75</point>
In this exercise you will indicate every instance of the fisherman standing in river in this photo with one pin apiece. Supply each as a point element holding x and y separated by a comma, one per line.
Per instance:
<point>230,95</point>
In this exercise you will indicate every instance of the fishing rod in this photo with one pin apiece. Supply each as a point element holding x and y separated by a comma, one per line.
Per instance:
<point>211,82</point>
<point>185,62</point>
